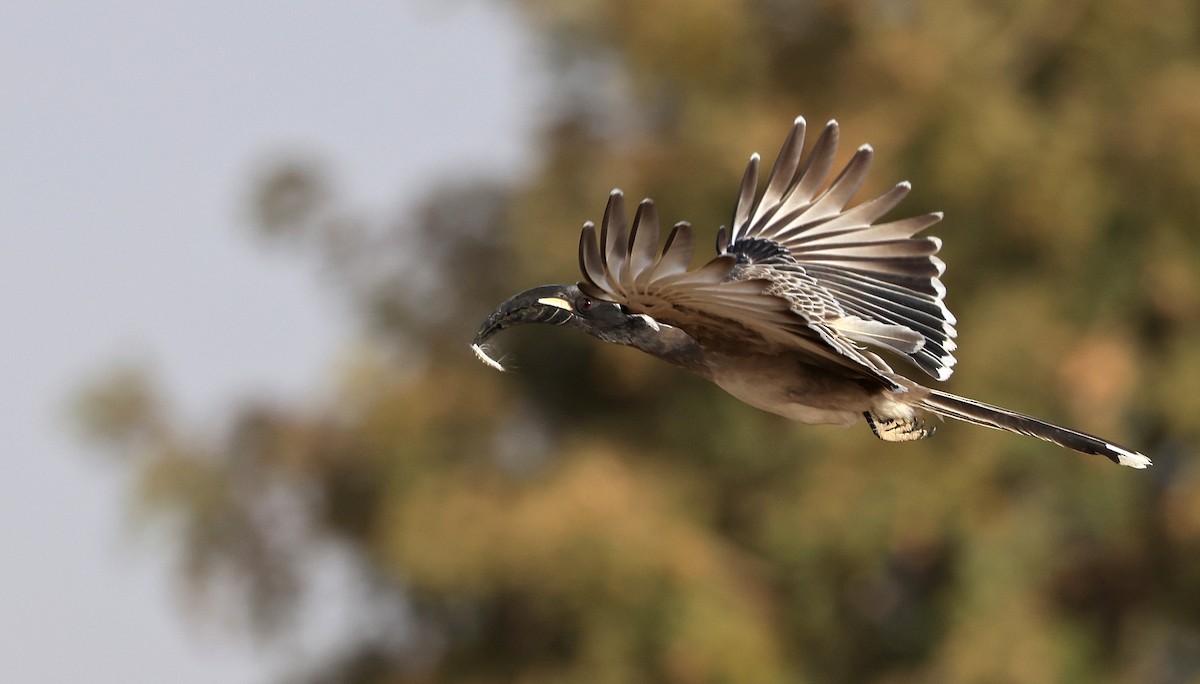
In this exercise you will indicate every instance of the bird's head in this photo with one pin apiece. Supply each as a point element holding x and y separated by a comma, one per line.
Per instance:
<point>568,305</point>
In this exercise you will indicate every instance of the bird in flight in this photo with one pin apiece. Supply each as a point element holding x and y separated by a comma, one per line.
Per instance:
<point>790,314</point>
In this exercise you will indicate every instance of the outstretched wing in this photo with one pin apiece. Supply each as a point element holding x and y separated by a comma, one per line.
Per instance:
<point>877,273</point>
<point>726,302</point>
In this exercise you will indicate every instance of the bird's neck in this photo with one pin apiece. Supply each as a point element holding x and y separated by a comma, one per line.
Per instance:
<point>671,345</point>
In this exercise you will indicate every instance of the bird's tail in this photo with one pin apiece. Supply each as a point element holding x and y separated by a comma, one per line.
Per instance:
<point>979,413</point>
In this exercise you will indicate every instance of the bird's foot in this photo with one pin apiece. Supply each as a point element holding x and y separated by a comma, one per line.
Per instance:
<point>898,429</point>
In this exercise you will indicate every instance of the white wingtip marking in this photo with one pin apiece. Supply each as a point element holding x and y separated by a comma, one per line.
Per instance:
<point>487,360</point>
<point>1130,458</point>
<point>947,316</point>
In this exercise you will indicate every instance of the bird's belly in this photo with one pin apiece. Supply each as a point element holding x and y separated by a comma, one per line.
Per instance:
<point>795,394</point>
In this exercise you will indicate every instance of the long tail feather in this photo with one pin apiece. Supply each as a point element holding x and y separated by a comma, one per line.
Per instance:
<point>979,413</point>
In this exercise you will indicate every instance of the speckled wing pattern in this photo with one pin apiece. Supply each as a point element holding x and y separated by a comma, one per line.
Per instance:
<point>883,282</point>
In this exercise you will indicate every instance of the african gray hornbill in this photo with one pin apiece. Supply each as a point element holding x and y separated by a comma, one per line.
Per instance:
<point>788,315</point>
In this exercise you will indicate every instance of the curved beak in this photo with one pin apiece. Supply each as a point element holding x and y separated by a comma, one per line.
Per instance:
<point>544,304</point>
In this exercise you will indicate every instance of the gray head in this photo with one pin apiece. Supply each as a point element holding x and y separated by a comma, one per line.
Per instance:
<point>568,305</point>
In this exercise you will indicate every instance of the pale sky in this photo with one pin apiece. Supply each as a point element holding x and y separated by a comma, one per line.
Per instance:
<point>130,133</point>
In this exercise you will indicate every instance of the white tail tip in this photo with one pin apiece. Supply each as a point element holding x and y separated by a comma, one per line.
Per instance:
<point>1131,458</point>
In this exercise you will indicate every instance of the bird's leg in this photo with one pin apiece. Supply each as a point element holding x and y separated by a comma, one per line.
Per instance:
<point>898,429</point>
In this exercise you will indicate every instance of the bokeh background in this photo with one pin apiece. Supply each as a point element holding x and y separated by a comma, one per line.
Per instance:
<point>249,245</point>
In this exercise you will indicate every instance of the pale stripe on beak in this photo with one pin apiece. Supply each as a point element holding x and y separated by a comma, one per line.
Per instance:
<point>557,302</point>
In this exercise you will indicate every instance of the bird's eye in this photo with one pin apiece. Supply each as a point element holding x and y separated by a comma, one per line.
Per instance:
<point>584,304</point>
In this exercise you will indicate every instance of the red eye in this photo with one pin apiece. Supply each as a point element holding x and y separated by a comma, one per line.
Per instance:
<point>584,304</point>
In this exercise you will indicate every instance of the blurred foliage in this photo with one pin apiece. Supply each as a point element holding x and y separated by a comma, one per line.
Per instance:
<point>598,517</point>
